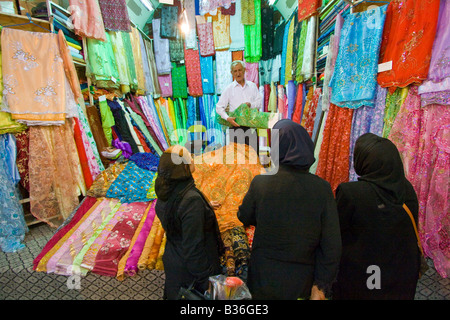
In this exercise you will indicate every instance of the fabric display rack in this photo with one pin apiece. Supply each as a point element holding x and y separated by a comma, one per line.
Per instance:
<point>103,84</point>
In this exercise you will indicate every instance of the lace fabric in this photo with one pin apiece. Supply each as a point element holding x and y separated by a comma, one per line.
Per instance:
<point>87,25</point>
<point>425,132</point>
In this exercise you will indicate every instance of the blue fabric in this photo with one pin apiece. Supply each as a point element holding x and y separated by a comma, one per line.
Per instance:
<point>12,221</point>
<point>133,185</point>
<point>283,52</point>
<point>145,160</point>
<point>354,80</point>
<point>206,67</point>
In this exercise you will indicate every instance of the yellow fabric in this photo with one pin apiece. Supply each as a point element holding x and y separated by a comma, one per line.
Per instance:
<point>156,246</point>
<point>224,175</point>
<point>143,259</point>
<point>289,50</point>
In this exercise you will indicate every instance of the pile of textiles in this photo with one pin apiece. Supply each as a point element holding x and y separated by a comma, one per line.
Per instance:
<point>224,175</point>
<point>115,231</point>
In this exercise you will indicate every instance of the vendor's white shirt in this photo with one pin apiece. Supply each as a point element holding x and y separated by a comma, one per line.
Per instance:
<point>234,95</point>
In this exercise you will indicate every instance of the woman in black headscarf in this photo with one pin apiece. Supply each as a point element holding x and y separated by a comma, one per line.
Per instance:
<point>380,256</point>
<point>193,244</point>
<point>297,245</point>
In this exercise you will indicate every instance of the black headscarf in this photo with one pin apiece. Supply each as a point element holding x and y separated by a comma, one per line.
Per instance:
<point>294,145</point>
<point>377,160</point>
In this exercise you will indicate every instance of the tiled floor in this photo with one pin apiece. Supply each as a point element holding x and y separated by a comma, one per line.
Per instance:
<point>18,281</point>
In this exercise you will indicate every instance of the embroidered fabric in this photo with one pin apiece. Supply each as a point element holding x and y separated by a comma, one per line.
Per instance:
<point>354,78</point>
<point>422,137</point>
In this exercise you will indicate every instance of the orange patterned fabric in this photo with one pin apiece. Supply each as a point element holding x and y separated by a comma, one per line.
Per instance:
<point>224,175</point>
<point>408,36</point>
<point>333,165</point>
<point>308,8</point>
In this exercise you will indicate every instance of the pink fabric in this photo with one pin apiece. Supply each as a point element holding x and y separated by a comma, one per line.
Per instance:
<point>119,239</point>
<point>165,82</point>
<point>422,136</point>
<point>87,19</point>
<point>252,72</point>
<point>206,39</point>
<point>132,261</point>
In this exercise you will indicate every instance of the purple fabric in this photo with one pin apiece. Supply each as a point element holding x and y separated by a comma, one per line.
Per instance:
<point>124,146</point>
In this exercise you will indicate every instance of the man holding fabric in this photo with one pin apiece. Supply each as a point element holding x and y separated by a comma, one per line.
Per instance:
<point>238,92</point>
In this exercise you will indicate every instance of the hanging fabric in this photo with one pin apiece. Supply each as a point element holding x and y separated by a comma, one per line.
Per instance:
<point>87,19</point>
<point>115,15</point>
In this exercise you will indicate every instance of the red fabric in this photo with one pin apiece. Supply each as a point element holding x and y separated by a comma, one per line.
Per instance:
<point>82,154</point>
<point>408,37</point>
<point>308,8</point>
<point>193,72</point>
<point>334,153</point>
<point>87,203</point>
<point>311,115</point>
<point>142,140</point>
<point>119,239</point>
<point>206,39</point>
<point>297,116</point>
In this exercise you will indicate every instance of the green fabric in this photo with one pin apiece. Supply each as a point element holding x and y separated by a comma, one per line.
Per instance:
<point>301,48</point>
<point>107,120</point>
<point>253,37</point>
<point>102,66</point>
<point>248,117</point>
<point>393,103</point>
<point>179,81</point>
<point>130,60</point>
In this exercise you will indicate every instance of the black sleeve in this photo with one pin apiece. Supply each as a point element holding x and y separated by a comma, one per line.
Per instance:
<point>192,217</point>
<point>328,254</point>
<point>247,210</point>
<point>346,208</point>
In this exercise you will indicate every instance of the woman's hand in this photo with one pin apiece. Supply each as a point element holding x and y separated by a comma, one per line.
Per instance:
<point>215,204</point>
<point>317,294</point>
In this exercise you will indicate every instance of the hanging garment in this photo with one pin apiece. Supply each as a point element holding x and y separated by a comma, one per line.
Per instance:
<point>307,70</point>
<point>248,12</point>
<point>153,69</point>
<point>207,72</point>
<point>334,151</point>
<point>102,63</point>
<point>367,119</point>
<point>301,49</point>
<point>407,41</point>
<point>307,8</point>
<point>146,67</point>
<point>115,15</point>
<point>165,83</point>
<point>22,144</point>
<point>13,226</point>
<point>179,81</point>
<point>138,62</point>
<point>284,52</point>
<point>169,22</point>
<point>161,47</point>
<point>253,38</point>
<point>193,71</point>
<point>251,72</point>
<point>87,175</point>
<point>131,65</point>
<point>267,32</point>
<point>56,178</point>
<point>436,89</point>
<point>221,31</point>
<point>393,103</point>
<point>191,36</point>
<point>354,78</point>
<point>333,50</point>
<point>421,135</point>
<point>205,37</point>
<point>176,49</point>
<point>310,116</point>
<point>298,110</point>
<point>34,90</point>
<point>223,70</point>
<point>87,19</point>
<point>289,52</point>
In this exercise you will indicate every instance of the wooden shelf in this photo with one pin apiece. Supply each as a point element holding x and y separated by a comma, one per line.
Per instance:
<point>7,19</point>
